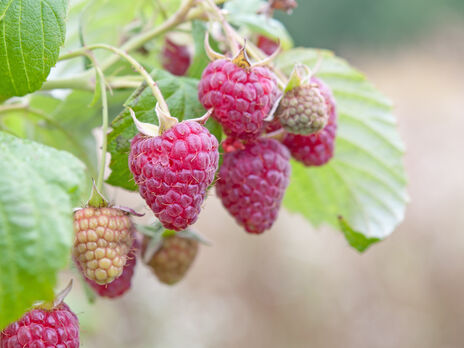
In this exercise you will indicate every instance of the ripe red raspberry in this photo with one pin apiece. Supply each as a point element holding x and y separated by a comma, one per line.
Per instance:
<point>173,259</point>
<point>231,144</point>
<point>176,58</point>
<point>103,238</point>
<point>241,97</point>
<point>267,45</point>
<point>58,327</point>
<point>252,183</point>
<point>316,149</point>
<point>121,285</point>
<point>303,110</point>
<point>174,170</point>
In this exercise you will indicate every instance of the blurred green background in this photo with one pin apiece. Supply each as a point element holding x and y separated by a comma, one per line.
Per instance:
<point>296,286</point>
<point>335,24</point>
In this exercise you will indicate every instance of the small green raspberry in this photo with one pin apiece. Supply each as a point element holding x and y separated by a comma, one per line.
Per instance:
<point>103,238</point>
<point>303,110</point>
<point>173,259</point>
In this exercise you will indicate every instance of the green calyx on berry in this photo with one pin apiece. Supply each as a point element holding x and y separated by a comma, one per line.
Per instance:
<point>57,301</point>
<point>156,233</point>
<point>96,200</point>
<point>152,130</point>
<point>241,59</point>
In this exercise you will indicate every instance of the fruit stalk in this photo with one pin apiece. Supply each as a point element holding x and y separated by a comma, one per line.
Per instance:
<point>164,117</point>
<point>102,82</point>
<point>228,30</point>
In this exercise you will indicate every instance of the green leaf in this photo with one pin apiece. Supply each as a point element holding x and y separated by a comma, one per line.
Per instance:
<point>181,94</point>
<point>39,187</point>
<point>357,240</point>
<point>63,124</point>
<point>244,14</point>
<point>31,33</point>
<point>200,59</point>
<point>365,181</point>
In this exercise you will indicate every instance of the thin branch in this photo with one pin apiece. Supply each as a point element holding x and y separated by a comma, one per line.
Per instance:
<point>102,82</point>
<point>228,30</point>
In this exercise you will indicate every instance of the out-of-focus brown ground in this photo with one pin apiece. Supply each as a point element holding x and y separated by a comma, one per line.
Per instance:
<point>296,286</point>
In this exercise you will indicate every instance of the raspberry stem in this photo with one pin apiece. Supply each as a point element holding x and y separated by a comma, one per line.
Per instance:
<point>165,119</point>
<point>101,170</point>
<point>228,30</point>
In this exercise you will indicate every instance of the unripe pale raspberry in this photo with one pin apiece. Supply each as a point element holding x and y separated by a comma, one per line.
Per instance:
<point>174,170</point>
<point>41,328</point>
<point>252,183</point>
<point>176,58</point>
<point>241,98</point>
<point>303,110</point>
<point>121,285</point>
<point>103,238</point>
<point>316,149</point>
<point>173,259</point>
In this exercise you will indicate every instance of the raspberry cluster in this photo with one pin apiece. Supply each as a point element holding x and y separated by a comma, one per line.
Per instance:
<point>255,170</point>
<point>57,327</point>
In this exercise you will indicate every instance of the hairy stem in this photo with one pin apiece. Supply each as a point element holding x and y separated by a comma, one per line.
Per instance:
<point>77,83</point>
<point>140,69</point>
<point>228,30</point>
<point>102,82</point>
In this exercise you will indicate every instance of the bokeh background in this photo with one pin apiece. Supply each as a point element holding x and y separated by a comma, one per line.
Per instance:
<point>296,286</point>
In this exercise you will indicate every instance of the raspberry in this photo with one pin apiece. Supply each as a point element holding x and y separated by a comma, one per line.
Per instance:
<point>175,58</point>
<point>252,183</point>
<point>241,98</point>
<point>121,285</point>
<point>267,45</point>
<point>231,144</point>
<point>303,110</point>
<point>103,237</point>
<point>174,170</point>
<point>283,5</point>
<point>173,259</point>
<point>57,328</point>
<point>316,149</point>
